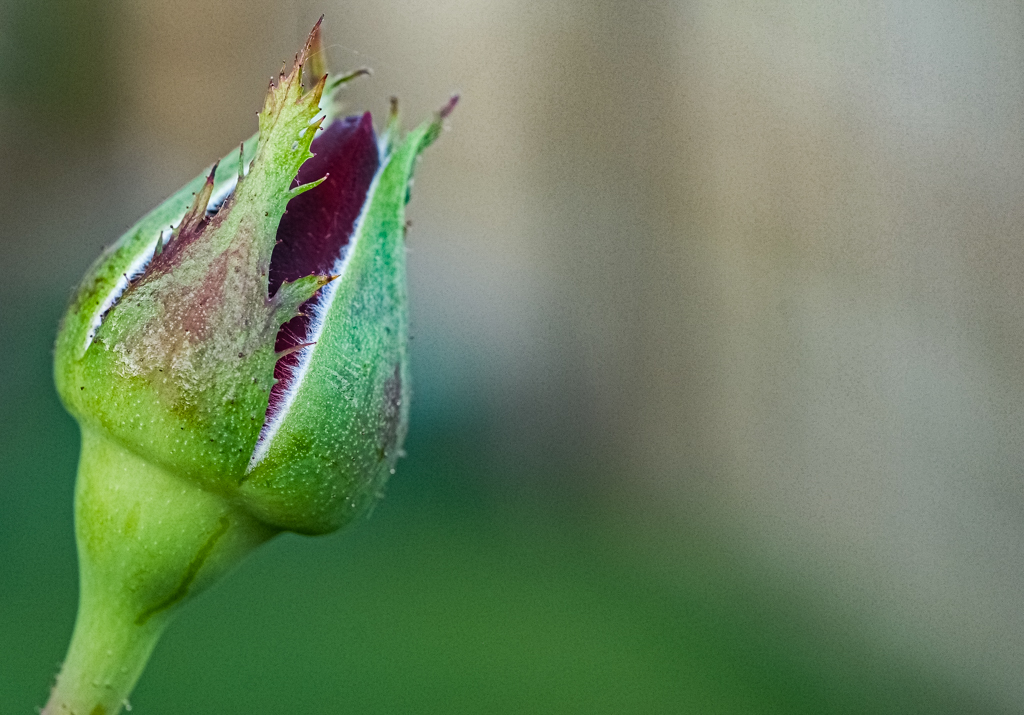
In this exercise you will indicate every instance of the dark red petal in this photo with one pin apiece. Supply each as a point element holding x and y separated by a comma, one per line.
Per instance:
<point>318,223</point>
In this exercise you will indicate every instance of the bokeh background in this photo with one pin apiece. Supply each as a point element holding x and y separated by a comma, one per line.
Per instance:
<point>718,356</point>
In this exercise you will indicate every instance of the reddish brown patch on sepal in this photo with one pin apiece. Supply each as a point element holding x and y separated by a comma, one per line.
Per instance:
<point>391,414</point>
<point>315,51</point>
<point>192,225</point>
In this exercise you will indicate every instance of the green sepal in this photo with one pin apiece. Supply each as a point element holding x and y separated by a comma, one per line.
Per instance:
<point>292,294</point>
<point>181,368</point>
<point>331,450</point>
<point>135,245</point>
<point>138,243</point>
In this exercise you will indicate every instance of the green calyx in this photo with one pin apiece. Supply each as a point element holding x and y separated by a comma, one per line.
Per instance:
<point>180,366</point>
<point>166,357</point>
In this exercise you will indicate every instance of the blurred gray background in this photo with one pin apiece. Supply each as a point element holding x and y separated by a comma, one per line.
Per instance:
<point>718,316</point>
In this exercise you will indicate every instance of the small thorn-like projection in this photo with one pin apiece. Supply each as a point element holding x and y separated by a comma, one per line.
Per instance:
<point>197,213</point>
<point>317,57</point>
<point>392,129</point>
<point>241,161</point>
<point>438,124</point>
<point>447,108</point>
<point>345,79</point>
<point>306,187</point>
<point>312,44</point>
<point>294,349</point>
<point>191,227</point>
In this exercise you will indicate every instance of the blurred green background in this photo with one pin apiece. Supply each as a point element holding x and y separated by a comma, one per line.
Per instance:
<point>718,321</point>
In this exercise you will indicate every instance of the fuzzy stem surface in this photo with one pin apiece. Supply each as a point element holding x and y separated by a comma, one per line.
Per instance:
<point>147,542</point>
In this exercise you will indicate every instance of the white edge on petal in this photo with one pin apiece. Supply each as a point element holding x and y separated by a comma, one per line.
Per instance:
<point>321,308</point>
<point>138,265</point>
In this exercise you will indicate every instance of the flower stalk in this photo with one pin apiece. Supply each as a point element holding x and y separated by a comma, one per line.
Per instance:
<point>149,543</point>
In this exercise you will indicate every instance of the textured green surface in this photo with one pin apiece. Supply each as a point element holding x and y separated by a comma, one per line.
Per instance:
<point>147,541</point>
<point>181,368</point>
<point>340,437</point>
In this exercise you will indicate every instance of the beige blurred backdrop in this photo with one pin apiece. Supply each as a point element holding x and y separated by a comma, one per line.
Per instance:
<point>757,266</point>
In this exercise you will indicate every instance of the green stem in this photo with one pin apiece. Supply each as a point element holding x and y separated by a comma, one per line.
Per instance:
<point>106,658</point>
<point>147,542</point>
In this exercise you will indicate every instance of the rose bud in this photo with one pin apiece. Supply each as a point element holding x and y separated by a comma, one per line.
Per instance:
<point>237,365</point>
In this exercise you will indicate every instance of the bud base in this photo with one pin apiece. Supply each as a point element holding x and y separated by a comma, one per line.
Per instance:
<point>147,542</point>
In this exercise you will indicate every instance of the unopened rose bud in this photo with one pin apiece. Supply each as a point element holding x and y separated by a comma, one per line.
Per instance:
<point>237,364</point>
